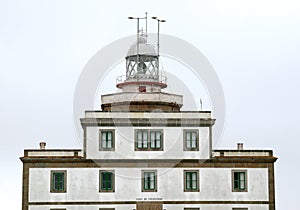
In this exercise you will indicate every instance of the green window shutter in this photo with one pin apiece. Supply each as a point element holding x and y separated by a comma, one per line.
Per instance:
<point>236,180</point>
<point>142,139</point>
<point>107,139</point>
<point>58,181</point>
<point>106,181</point>
<point>155,139</point>
<point>191,139</point>
<point>239,180</point>
<point>145,139</point>
<point>191,181</point>
<point>149,181</point>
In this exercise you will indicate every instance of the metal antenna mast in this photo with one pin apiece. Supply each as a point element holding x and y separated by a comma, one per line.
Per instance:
<point>158,23</point>
<point>138,33</point>
<point>146,26</point>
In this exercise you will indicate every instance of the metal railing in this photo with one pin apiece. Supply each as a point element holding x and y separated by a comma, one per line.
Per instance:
<point>141,77</point>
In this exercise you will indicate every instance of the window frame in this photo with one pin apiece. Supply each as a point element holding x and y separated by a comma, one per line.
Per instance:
<point>143,181</point>
<point>101,131</point>
<point>185,172</point>
<point>245,181</point>
<point>185,148</point>
<point>149,140</point>
<point>52,184</point>
<point>112,172</point>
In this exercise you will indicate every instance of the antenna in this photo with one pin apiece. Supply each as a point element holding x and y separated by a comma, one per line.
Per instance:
<point>200,104</point>
<point>138,33</point>
<point>146,26</point>
<point>158,23</point>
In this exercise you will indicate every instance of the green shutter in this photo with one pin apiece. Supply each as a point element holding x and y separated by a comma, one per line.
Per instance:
<point>58,181</point>
<point>106,181</point>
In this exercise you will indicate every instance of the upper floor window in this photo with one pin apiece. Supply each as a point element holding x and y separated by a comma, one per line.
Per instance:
<point>107,140</point>
<point>191,181</point>
<point>191,140</point>
<point>239,181</point>
<point>148,139</point>
<point>149,182</point>
<point>107,181</point>
<point>58,181</point>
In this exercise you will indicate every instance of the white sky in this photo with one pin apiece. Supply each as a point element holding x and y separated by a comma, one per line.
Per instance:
<point>253,45</point>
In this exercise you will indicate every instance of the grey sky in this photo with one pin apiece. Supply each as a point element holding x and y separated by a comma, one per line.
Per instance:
<point>254,47</point>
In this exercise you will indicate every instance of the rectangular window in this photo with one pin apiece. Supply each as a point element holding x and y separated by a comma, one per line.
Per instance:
<point>239,181</point>
<point>107,179</point>
<point>155,139</point>
<point>107,140</point>
<point>191,140</point>
<point>191,181</point>
<point>142,89</point>
<point>147,139</point>
<point>149,181</point>
<point>142,139</point>
<point>58,181</point>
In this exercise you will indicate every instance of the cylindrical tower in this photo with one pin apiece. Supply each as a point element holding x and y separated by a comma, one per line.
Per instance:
<point>142,73</point>
<point>142,84</point>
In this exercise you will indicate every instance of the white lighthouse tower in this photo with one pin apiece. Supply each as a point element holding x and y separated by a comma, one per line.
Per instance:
<point>143,83</point>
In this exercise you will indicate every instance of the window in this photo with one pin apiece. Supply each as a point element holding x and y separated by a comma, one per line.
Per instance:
<point>107,181</point>
<point>239,181</point>
<point>142,89</point>
<point>149,182</point>
<point>107,140</point>
<point>191,181</point>
<point>155,139</point>
<point>58,181</point>
<point>191,140</point>
<point>148,140</point>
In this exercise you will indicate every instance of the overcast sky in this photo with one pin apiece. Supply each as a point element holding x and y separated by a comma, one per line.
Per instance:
<point>254,47</point>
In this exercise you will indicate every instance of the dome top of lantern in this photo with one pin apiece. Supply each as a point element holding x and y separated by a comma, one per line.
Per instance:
<point>141,47</point>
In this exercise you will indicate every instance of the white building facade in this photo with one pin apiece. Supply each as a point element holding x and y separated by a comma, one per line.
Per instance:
<point>141,152</point>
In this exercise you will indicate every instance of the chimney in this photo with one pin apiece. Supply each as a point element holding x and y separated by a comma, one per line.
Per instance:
<point>240,146</point>
<point>42,145</point>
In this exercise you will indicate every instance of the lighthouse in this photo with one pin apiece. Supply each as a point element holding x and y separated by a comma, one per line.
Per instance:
<point>141,152</point>
<point>142,85</point>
